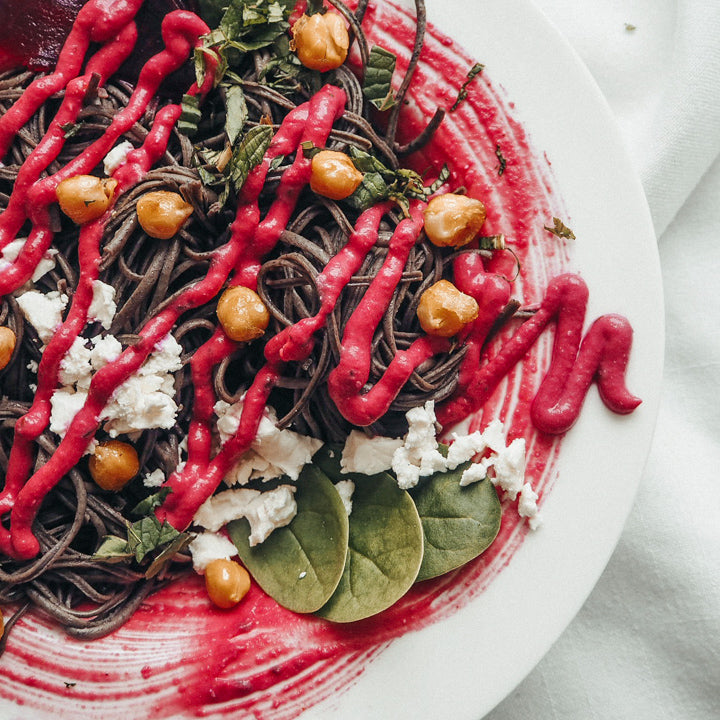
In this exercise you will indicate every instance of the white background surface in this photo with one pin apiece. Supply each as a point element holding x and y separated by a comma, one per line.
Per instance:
<point>646,645</point>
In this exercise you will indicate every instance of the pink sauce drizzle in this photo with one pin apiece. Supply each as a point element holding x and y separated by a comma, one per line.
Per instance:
<point>259,658</point>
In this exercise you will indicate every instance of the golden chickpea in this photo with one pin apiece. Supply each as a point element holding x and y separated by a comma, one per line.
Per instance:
<point>321,41</point>
<point>114,464</point>
<point>453,220</point>
<point>162,213</point>
<point>84,198</point>
<point>7,346</point>
<point>444,311</point>
<point>242,314</point>
<point>227,582</point>
<point>333,175</point>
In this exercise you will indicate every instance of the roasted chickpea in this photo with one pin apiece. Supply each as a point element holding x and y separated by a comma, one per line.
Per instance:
<point>84,198</point>
<point>7,346</point>
<point>321,41</point>
<point>113,464</point>
<point>227,582</point>
<point>444,311</point>
<point>162,213</point>
<point>453,220</point>
<point>242,314</point>
<point>333,175</point>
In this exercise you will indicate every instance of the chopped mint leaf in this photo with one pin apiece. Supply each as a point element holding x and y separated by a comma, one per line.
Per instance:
<point>475,70</point>
<point>237,112</point>
<point>190,115</point>
<point>560,229</point>
<point>377,83</point>
<point>151,502</point>
<point>249,153</point>
<point>501,159</point>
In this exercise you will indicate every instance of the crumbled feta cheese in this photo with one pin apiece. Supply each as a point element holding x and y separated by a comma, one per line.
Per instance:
<point>509,467</point>
<point>117,157</point>
<point>475,473</point>
<point>140,403</point>
<point>13,249</point>
<point>43,311</point>
<point>164,359</point>
<point>206,547</point>
<point>464,448</point>
<point>419,455</point>
<point>273,453</point>
<point>154,479</point>
<point>527,506</point>
<point>65,404</point>
<point>102,307</point>
<point>146,399</point>
<point>368,455</point>
<point>265,511</point>
<point>75,367</point>
<point>104,350</point>
<point>33,366</point>
<point>345,489</point>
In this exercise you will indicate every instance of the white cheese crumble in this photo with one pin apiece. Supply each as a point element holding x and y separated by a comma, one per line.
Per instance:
<point>419,455</point>
<point>65,405</point>
<point>117,157</point>
<point>75,367</point>
<point>43,311</point>
<point>206,547</point>
<point>345,489</point>
<point>528,508</point>
<point>368,455</point>
<point>12,250</point>
<point>265,511</point>
<point>273,453</point>
<point>102,307</point>
<point>154,479</point>
<point>509,467</point>
<point>144,401</point>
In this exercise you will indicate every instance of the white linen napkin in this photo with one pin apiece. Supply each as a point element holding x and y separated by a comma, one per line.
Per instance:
<point>646,645</point>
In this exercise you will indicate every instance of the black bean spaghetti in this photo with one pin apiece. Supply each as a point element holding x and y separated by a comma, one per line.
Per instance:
<point>91,598</point>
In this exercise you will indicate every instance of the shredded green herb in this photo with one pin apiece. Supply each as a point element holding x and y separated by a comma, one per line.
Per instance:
<point>474,71</point>
<point>501,159</point>
<point>377,83</point>
<point>560,229</point>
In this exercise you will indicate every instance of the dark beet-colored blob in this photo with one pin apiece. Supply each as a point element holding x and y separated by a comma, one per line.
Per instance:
<point>33,31</point>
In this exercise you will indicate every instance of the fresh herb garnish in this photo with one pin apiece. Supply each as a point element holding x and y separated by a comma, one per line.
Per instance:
<point>560,229</point>
<point>501,159</point>
<point>144,537</point>
<point>70,129</point>
<point>377,83</point>
<point>190,115</point>
<point>474,71</point>
<point>381,183</point>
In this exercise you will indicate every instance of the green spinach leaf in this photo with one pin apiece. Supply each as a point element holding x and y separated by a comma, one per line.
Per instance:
<point>300,565</point>
<point>459,523</point>
<point>385,549</point>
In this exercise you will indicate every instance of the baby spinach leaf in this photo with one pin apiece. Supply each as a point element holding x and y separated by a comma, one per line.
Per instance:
<point>327,458</point>
<point>385,550</point>
<point>300,565</point>
<point>459,523</point>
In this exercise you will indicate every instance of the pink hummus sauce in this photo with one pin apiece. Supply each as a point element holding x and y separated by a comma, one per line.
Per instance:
<point>178,656</point>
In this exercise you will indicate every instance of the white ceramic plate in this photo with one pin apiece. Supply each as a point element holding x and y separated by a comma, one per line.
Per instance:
<point>463,666</point>
<point>465,663</point>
